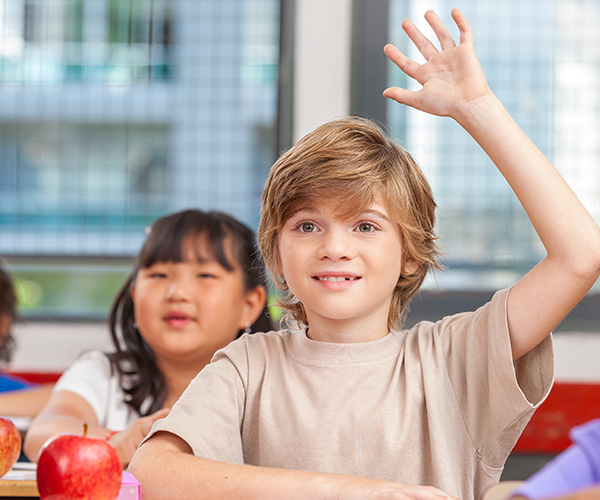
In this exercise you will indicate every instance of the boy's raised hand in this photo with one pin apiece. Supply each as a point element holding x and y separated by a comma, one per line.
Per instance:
<point>452,77</point>
<point>454,85</point>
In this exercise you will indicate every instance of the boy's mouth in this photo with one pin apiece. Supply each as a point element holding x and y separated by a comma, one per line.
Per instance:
<point>337,278</point>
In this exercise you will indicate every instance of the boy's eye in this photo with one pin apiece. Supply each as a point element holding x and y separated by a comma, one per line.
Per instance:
<point>366,227</point>
<point>307,227</point>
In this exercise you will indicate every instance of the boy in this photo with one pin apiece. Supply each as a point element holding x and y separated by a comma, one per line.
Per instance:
<point>351,407</point>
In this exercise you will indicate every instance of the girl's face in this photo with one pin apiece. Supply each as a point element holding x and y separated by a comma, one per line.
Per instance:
<point>186,311</point>
<point>344,271</point>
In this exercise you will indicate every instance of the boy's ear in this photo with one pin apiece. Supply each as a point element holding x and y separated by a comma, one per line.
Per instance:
<point>278,266</point>
<point>255,301</point>
<point>410,267</point>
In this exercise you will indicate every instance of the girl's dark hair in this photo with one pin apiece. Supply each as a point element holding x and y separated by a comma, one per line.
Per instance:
<point>140,376</point>
<point>8,307</point>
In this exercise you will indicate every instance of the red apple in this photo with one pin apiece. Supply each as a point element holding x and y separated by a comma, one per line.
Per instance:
<point>10,444</point>
<point>74,467</point>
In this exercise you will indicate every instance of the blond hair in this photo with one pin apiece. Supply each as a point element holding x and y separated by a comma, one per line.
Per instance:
<point>351,161</point>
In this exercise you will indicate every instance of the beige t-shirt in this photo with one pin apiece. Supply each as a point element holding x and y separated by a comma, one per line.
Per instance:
<point>442,404</point>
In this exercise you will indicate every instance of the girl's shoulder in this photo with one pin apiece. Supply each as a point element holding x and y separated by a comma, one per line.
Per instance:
<point>92,356</point>
<point>89,363</point>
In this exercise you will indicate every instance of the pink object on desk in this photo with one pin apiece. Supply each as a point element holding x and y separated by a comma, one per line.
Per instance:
<point>131,489</point>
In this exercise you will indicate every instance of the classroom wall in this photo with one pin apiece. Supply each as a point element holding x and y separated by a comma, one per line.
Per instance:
<point>45,346</point>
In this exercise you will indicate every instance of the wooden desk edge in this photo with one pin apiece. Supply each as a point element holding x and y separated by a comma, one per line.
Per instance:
<point>18,488</point>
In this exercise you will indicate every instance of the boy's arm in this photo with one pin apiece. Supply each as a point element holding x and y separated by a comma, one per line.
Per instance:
<point>167,469</point>
<point>454,85</point>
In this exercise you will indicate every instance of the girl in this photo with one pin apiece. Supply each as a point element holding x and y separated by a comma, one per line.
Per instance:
<point>197,285</point>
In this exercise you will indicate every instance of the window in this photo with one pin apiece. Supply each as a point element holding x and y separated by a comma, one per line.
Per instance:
<point>115,112</point>
<point>541,59</point>
<point>110,41</point>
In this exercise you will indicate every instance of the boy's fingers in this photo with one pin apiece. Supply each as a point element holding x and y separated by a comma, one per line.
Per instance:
<point>466,35</point>
<point>422,43</point>
<point>427,493</point>
<point>399,95</point>
<point>440,30</point>
<point>399,59</point>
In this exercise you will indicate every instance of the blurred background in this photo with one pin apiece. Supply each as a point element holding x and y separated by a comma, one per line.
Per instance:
<point>116,112</point>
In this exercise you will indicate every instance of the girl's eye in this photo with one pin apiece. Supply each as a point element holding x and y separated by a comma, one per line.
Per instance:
<point>158,275</point>
<point>366,227</point>
<point>206,275</point>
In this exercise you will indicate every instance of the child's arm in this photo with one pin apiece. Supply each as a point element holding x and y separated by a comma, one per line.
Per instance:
<point>26,402</point>
<point>167,469</point>
<point>454,85</point>
<point>66,412</point>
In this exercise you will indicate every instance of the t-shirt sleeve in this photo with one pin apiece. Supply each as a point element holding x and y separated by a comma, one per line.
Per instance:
<point>575,468</point>
<point>89,377</point>
<point>496,395</point>
<point>9,383</point>
<point>208,416</point>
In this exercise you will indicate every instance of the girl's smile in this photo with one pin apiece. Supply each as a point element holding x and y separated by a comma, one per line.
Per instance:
<point>177,319</point>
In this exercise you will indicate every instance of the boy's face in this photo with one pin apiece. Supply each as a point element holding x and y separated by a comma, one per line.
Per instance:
<point>343,270</point>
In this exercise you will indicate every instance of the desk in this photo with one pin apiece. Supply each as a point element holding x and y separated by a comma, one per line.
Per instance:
<point>19,483</point>
<point>502,490</point>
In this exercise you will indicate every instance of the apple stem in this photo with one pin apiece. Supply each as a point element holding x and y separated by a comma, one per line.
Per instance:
<point>85,429</point>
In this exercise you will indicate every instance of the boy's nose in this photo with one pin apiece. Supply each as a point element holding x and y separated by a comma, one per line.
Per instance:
<point>336,245</point>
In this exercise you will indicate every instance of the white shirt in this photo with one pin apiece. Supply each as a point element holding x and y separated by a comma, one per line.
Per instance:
<point>92,377</point>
